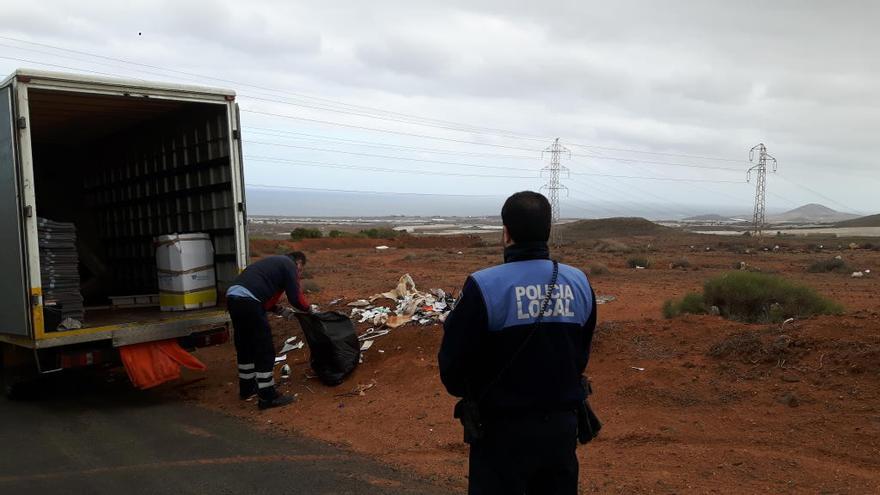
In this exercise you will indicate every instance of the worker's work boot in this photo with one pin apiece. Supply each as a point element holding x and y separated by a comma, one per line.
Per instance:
<point>247,389</point>
<point>278,401</point>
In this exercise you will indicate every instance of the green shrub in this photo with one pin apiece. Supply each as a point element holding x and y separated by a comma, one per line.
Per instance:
<point>383,233</point>
<point>301,233</point>
<point>833,265</point>
<point>599,269</point>
<point>692,304</point>
<point>758,297</point>
<point>638,261</point>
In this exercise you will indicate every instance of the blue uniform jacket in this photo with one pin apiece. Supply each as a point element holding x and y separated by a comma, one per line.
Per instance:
<point>495,313</point>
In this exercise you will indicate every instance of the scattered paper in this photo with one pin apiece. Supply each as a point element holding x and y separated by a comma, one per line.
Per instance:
<point>292,347</point>
<point>605,299</point>
<point>381,248</point>
<point>366,345</point>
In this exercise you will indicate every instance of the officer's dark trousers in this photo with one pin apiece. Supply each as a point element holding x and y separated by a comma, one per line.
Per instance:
<point>534,455</point>
<point>253,346</point>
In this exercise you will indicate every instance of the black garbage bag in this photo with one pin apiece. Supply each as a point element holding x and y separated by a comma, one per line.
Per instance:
<point>333,343</point>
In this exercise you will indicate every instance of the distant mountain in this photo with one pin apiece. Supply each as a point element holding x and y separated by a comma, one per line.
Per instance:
<point>869,221</point>
<point>708,218</point>
<point>811,213</point>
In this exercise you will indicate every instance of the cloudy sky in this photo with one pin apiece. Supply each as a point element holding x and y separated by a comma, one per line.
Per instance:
<point>659,102</point>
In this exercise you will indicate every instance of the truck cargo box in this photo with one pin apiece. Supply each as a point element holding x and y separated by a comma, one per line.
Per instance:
<point>109,167</point>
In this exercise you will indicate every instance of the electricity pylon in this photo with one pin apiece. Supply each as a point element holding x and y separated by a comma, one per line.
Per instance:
<point>760,168</point>
<point>553,185</point>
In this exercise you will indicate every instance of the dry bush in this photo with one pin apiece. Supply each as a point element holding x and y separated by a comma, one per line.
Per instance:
<point>681,263</point>
<point>835,265</point>
<point>611,246</point>
<point>638,261</point>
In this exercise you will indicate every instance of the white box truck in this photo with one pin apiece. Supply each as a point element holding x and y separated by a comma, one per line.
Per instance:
<point>125,162</point>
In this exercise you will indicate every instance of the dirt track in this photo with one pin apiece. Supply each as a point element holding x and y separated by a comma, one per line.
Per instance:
<point>721,407</point>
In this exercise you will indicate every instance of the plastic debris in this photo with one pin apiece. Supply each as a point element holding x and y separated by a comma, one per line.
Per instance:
<point>360,303</point>
<point>366,345</point>
<point>858,274</point>
<point>336,301</point>
<point>371,334</point>
<point>381,248</point>
<point>637,368</point>
<point>285,372</point>
<point>70,324</point>
<point>605,299</point>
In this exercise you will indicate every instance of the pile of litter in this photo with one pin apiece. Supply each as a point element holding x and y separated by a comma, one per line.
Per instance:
<point>412,305</point>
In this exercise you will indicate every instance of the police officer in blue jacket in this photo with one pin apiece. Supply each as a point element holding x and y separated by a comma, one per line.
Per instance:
<point>515,348</point>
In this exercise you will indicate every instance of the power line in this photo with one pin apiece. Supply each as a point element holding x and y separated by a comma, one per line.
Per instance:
<point>817,193</point>
<point>374,129</point>
<point>284,134</point>
<point>670,179</point>
<point>307,163</point>
<point>355,191</point>
<point>407,118</point>
<point>462,126</point>
<point>390,157</point>
<point>669,164</point>
<point>658,153</point>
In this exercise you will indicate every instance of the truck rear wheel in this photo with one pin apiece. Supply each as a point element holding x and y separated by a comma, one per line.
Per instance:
<point>17,373</point>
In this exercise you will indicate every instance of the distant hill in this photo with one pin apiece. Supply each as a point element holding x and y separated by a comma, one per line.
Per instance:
<point>708,218</point>
<point>811,213</point>
<point>612,227</point>
<point>869,221</point>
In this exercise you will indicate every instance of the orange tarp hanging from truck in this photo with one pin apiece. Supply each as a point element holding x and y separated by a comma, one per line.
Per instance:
<point>154,363</point>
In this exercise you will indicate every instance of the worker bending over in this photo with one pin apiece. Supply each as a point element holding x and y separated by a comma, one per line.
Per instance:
<point>257,290</point>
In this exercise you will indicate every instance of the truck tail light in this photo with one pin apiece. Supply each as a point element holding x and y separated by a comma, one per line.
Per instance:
<point>80,359</point>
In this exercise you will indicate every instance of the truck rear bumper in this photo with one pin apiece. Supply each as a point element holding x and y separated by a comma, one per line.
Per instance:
<point>83,356</point>
<point>136,333</point>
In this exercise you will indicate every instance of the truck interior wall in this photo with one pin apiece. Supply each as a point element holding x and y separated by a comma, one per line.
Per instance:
<point>126,170</point>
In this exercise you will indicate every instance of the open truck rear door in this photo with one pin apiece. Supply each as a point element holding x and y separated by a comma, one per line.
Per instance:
<point>14,304</point>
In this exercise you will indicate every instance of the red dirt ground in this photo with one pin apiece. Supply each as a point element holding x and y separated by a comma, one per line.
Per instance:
<point>721,407</point>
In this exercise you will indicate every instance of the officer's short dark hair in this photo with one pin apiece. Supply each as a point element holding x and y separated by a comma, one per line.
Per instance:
<point>527,217</point>
<point>297,256</point>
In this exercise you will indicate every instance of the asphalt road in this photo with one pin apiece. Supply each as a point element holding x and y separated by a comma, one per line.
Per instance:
<point>108,439</point>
